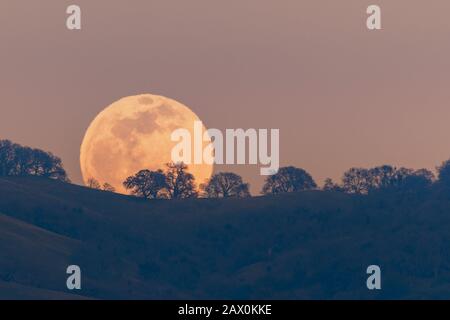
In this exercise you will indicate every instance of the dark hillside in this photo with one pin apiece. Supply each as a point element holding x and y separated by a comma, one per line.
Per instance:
<point>300,245</point>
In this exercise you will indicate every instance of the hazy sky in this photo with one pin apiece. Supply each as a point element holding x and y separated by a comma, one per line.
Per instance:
<point>341,95</point>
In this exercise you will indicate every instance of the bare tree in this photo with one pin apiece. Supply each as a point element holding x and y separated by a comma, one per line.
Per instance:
<point>147,184</point>
<point>329,185</point>
<point>226,184</point>
<point>107,187</point>
<point>93,184</point>
<point>356,180</point>
<point>180,184</point>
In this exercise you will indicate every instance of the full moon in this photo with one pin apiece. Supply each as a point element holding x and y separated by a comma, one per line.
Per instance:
<point>133,134</point>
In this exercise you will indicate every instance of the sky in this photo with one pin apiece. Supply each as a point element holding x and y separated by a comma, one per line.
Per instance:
<point>341,95</point>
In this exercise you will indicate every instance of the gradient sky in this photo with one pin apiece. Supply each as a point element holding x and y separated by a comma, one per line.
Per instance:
<point>341,95</point>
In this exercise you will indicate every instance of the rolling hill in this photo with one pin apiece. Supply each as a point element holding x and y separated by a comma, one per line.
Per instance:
<point>307,245</point>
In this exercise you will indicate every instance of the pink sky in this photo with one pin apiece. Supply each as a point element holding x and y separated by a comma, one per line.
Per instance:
<point>341,95</point>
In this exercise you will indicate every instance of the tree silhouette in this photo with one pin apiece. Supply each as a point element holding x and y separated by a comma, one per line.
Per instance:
<point>364,181</point>
<point>107,187</point>
<point>356,180</point>
<point>180,184</point>
<point>47,165</point>
<point>288,179</point>
<point>444,173</point>
<point>16,160</point>
<point>386,176</point>
<point>226,184</point>
<point>417,181</point>
<point>147,184</point>
<point>426,174</point>
<point>26,162</point>
<point>93,184</point>
<point>329,185</point>
<point>7,158</point>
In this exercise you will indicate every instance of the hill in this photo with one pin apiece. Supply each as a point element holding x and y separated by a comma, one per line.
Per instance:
<point>307,245</point>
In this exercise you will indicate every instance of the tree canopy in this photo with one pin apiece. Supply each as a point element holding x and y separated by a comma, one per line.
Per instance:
<point>147,184</point>
<point>180,184</point>
<point>444,173</point>
<point>17,160</point>
<point>225,185</point>
<point>175,183</point>
<point>288,179</point>
<point>93,184</point>
<point>385,177</point>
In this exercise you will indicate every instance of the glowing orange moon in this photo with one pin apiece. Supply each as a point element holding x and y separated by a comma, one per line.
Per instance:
<point>133,134</point>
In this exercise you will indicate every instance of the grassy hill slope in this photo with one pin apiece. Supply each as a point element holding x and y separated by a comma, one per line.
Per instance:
<point>295,246</point>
